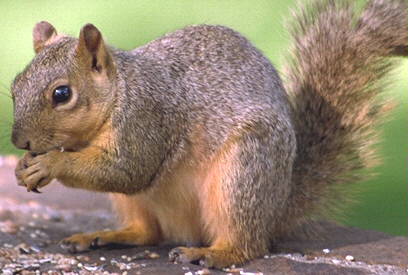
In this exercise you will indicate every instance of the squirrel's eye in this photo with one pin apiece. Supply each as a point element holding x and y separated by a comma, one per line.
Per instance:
<point>61,94</point>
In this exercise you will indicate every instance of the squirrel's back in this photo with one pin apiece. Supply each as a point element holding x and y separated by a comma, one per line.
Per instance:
<point>214,65</point>
<point>205,75</point>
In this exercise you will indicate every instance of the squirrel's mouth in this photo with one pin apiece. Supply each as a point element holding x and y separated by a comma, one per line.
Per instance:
<point>57,148</point>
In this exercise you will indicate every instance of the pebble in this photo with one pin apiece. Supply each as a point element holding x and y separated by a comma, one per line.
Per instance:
<point>9,227</point>
<point>102,259</point>
<point>64,267</point>
<point>326,251</point>
<point>204,271</point>
<point>145,255</point>
<point>23,248</point>
<point>35,249</point>
<point>310,257</point>
<point>83,258</point>
<point>6,214</point>
<point>349,258</point>
<point>233,269</point>
<point>335,261</point>
<point>93,267</point>
<point>153,255</point>
<point>43,261</point>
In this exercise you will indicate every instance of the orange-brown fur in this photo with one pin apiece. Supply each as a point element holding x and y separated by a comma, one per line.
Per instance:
<point>195,186</point>
<point>87,157</point>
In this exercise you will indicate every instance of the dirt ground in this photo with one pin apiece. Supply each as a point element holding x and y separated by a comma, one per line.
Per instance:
<point>31,225</point>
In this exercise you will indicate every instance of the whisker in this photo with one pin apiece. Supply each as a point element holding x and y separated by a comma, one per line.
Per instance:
<point>4,87</point>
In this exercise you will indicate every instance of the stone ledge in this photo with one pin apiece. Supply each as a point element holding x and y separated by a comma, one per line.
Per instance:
<point>32,224</point>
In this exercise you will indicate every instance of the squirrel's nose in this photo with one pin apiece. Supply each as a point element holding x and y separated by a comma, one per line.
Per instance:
<point>19,141</point>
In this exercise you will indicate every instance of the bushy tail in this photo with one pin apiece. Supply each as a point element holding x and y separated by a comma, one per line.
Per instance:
<point>333,79</point>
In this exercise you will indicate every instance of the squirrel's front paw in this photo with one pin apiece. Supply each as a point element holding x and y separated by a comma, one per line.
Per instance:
<point>21,166</point>
<point>34,171</point>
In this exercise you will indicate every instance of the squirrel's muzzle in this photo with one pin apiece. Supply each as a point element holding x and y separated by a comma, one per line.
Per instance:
<point>19,140</point>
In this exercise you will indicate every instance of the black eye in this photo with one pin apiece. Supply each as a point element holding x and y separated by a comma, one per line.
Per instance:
<point>61,94</point>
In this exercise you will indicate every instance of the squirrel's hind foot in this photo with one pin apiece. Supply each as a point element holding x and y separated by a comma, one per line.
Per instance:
<point>210,257</point>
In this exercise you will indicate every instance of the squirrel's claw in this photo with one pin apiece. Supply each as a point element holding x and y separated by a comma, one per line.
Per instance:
<point>73,247</point>
<point>192,255</point>
<point>35,190</point>
<point>80,243</point>
<point>177,255</point>
<point>34,186</point>
<point>32,173</point>
<point>207,256</point>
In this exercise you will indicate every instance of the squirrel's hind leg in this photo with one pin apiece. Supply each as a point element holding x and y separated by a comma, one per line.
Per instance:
<point>244,191</point>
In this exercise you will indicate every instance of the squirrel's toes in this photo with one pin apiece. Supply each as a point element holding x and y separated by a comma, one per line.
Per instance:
<point>207,257</point>
<point>128,236</point>
<point>80,242</point>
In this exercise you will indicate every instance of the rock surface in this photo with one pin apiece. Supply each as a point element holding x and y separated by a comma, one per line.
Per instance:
<point>32,224</point>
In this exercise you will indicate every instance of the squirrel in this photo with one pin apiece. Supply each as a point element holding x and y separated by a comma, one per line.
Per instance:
<point>195,136</point>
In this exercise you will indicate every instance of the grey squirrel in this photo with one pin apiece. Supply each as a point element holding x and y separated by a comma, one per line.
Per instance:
<point>194,134</point>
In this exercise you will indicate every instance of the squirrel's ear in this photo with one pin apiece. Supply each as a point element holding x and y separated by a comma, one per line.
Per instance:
<point>91,49</point>
<point>43,34</point>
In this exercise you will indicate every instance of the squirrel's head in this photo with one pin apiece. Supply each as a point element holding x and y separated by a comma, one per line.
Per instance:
<point>66,93</point>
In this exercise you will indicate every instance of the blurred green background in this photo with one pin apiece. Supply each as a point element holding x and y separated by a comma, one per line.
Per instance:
<point>127,24</point>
